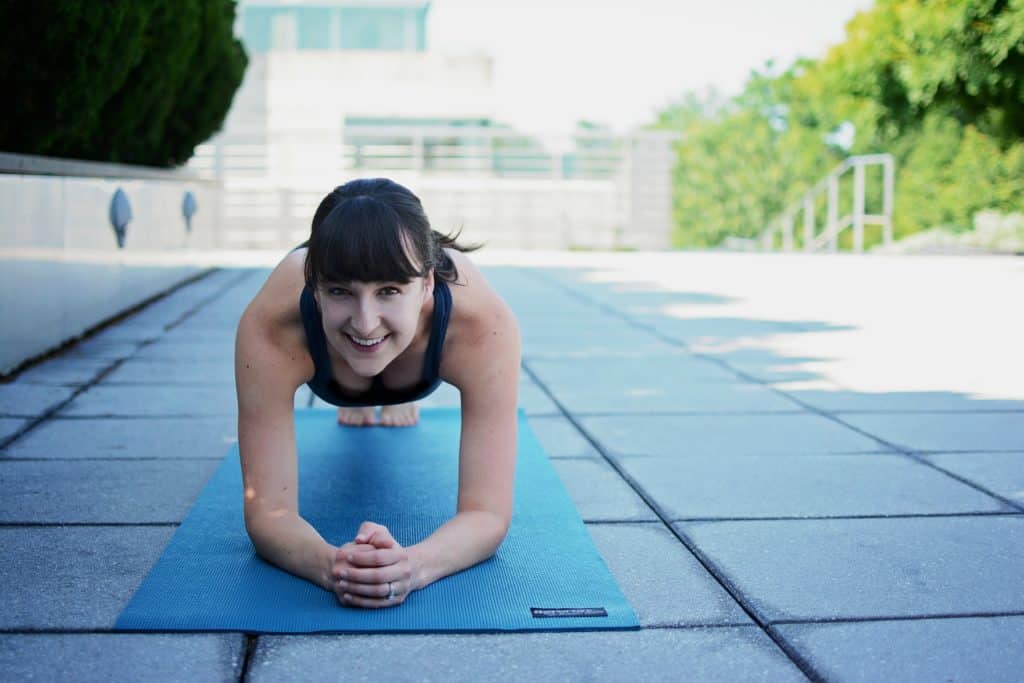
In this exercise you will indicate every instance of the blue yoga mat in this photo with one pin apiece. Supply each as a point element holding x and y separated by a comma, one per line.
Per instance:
<point>547,575</point>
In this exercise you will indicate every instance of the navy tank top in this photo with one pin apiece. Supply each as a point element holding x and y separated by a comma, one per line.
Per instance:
<point>323,383</point>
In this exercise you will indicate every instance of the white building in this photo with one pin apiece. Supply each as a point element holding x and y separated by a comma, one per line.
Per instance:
<point>340,89</point>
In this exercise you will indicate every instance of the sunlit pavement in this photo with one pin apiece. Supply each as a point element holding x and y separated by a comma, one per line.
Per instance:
<point>796,466</point>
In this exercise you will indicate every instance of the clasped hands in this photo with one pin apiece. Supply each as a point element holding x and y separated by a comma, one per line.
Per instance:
<point>372,570</point>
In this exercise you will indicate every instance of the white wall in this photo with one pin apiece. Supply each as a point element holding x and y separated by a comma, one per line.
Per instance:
<point>61,271</point>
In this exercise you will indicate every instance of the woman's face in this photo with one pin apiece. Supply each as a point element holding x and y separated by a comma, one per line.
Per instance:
<point>371,323</point>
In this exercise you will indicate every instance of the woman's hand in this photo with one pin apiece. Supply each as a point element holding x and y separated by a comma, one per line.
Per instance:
<point>373,570</point>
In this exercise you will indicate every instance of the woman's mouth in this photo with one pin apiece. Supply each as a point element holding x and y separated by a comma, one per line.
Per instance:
<point>364,345</point>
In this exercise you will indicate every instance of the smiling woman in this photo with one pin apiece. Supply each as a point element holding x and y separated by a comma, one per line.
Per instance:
<point>376,309</point>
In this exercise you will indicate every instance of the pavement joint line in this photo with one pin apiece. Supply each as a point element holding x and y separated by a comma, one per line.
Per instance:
<point>688,413</point>
<point>811,518</point>
<point>143,416</point>
<point>919,411</point>
<point>787,649</point>
<point>807,406</point>
<point>611,522</point>
<point>901,617</point>
<point>251,641</point>
<point>111,459</point>
<point>43,525</point>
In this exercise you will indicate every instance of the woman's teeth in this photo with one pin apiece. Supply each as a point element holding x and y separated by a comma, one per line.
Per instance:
<point>367,342</point>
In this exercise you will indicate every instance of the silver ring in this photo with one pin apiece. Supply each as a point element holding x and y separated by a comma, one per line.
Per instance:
<point>391,590</point>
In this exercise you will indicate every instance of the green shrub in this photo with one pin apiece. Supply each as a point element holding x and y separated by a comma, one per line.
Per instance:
<point>128,81</point>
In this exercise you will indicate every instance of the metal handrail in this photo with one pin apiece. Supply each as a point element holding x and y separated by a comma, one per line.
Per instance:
<point>834,223</point>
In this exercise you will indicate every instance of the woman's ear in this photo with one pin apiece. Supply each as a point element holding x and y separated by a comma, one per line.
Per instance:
<point>428,285</point>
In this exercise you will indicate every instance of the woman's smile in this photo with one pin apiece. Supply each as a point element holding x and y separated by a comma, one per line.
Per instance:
<point>366,345</point>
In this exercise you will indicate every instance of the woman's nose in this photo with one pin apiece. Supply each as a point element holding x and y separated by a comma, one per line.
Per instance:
<point>365,320</point>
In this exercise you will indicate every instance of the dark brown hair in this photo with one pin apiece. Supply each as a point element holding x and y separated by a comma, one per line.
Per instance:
<point>374,230</point>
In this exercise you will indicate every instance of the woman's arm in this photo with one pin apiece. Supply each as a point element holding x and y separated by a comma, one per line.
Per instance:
<point>266,376</point>
<point>488,378</point>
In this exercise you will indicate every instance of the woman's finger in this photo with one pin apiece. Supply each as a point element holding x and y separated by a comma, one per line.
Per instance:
<point>375,557</point>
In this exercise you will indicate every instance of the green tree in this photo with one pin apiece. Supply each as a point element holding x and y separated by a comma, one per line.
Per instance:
<point>131,81</point>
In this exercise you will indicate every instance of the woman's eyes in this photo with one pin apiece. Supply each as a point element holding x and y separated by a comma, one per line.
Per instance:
<point>340,291</point>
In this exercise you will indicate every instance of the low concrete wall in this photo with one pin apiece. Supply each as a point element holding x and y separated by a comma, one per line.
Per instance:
<point>62,271</point>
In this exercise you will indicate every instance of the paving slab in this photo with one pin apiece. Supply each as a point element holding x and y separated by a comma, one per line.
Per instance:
<point>932,432</point>
<point>100,491</point>
<point>31,400</point>
<point>708,654</point>
<point>666,372</point>
<point>685,435</point>
<point>182,352</point>
<point>58,578</point>
<point>153,400</point>
<point>197,437</point>
<point>722,486</point>
<point>581,342</point>
<point>10,426</point>
<point>102,657</point>
<point>639,385</point>
<point>560,438</point>
<point>870,568</point>
<point>960,649</point>
<point>64,371</point>
<point>600,494</point>
<point>768,366</point>
<point>902,401</point>
<point>999,472</point>
<point>136,332</point>
<point>134,371</point>
<point>703,331</point>
<point>662,580</point>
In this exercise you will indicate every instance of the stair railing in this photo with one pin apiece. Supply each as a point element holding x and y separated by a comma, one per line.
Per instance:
<point>835,224</point>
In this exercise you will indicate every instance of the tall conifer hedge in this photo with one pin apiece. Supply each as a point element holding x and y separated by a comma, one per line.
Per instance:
<point>126,81</point>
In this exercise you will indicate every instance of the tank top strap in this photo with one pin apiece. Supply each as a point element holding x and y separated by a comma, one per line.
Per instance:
<point>438,330</point>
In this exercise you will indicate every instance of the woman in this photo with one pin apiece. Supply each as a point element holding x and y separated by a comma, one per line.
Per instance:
<point>376,309</point>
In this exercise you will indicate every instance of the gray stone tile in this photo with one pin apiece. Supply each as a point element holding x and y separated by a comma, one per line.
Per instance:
<point>721,486</point>
<point>686,435</point>
<point>10,426</point>
<point>709,331</point>
<point>73,577</point>
<point>560,438</point>
<point>870,568</point>
<point>768,366</point>
<point>534,401</point>
<point>181,352</point>
<point>128,331</point>
<point>303,397</point>
<point>662,580</point>
<point>64,371</point>
<point>987,649</point>
<point>600,494</point>
<point>711,654</point>
<point>1002,473</point>
<point>584,386</point>
<point>100,401</point>
<point>30,400</point>
<point>128,438</point>
<point>100,491</point>
<point>896,401</point>
<point>102,657</point>
<point>945,431</point>
<point>170,373</point>
<point>608,340</point>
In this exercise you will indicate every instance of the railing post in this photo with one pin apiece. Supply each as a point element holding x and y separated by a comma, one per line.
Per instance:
<point>787,233</point>
<point>858,207</point>
<point>808,222</point>
<point>833,212</point>
<point>887,200</point>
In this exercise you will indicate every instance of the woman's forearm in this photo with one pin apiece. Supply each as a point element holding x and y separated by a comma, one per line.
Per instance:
<point>466,539</point>
<point>291,543</point>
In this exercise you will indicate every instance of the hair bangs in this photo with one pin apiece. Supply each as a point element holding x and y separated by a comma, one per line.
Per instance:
<point>361,239</point>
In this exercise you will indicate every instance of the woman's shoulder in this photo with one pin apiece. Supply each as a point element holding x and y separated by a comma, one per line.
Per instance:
<point>274,312</point>
<point>479,319</point>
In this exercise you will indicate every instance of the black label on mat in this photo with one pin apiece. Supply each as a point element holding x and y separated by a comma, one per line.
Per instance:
<point>552,612</point>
